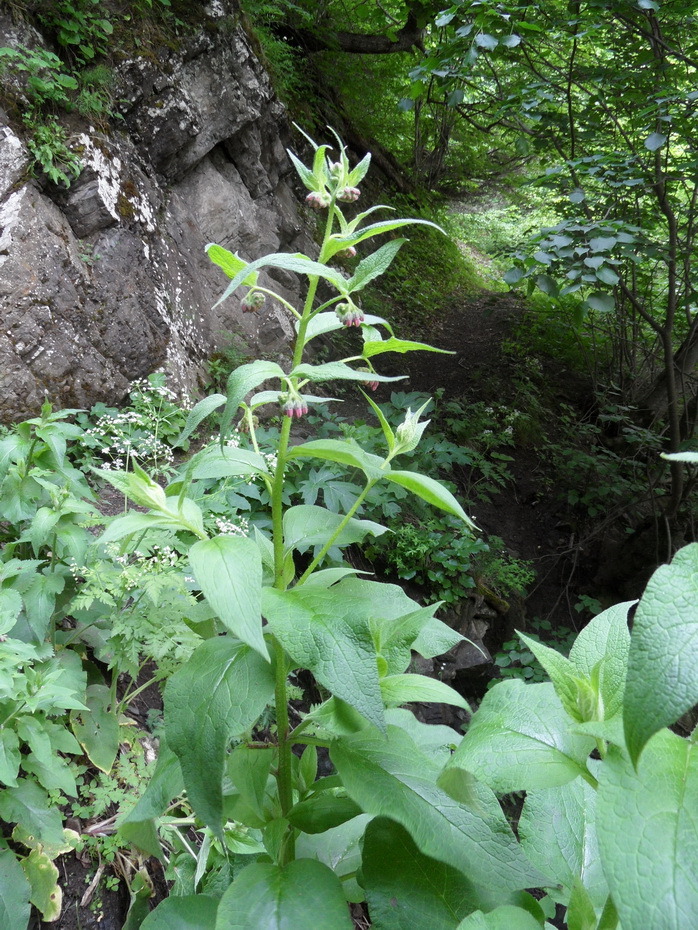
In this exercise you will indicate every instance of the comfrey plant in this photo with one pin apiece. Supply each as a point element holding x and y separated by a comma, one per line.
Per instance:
<point>356,800</point>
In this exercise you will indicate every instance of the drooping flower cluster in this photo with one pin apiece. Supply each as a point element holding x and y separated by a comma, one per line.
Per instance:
<point>293,405</point>
<point>349,314</point>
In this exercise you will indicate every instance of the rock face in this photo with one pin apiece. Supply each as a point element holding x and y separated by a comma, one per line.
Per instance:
<point>108,280</point>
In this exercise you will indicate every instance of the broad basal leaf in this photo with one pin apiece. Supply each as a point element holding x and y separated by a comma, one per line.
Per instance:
<point>521,739</point>
<point>340,849</point>
<point>28,804</point>
<point>97,728</point>
<point>506,917</point>
<point>305,893</point>
<point>219,693</point>
<point>15,908</point>
<point>228,569</point>
<point>648,836</point>
<point>389,776</point>
<point>557,829</point>
<point>662,683</point>
<point>320,631</point>
<point>183,912</point>
<point>407,890</point>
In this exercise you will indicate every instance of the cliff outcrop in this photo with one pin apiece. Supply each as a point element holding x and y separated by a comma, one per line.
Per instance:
<point>107,280</point>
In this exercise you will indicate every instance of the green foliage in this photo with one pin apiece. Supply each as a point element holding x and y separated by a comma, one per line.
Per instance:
<point>80,26</point>
<point>48,146</point>
<point>515,660</point>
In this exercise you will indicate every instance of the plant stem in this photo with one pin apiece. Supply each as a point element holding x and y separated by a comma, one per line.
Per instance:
<point>284,774</point>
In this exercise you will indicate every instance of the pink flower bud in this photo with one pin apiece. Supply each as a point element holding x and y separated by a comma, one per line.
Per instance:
<point>349,314</point>
<point>349,194</point>
<point>348,253</point>
<point>317,200</point>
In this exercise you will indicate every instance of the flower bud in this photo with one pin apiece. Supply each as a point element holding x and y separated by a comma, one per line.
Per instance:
<point>317,200</point>
<point>349,314</point>
<point>252,302</point>
<point>409,432</point>
<point>349,194</point>
<point>347,253</point>
<point>372,385</point>
<point>336,169</point>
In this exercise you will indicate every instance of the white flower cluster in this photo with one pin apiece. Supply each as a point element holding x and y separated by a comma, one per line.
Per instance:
<point>233,527</point>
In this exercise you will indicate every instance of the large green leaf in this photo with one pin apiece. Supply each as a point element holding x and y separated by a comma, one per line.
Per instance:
<point>506,917</point>
<point>264,896</point>
<point>407,890</point>
<point>219,693</point>
<point>372,348</point>
<point>340,849</point>
<point>217,462</point>
<point>331,371</point>
<point>15,908</point>
<point>42,875</point>
<point>432,491</point>
<point>9,756</point>
<point>228,569</point>
<point>198,413</point>
<point>662,683</point>
<point>606,640</point>
<point>646,824</point>
<point>97,728</point>
<point>557,829</point>
<point>403,689</point>
<point>521,738</point>
<point>389,776</point>
<point>321,632</point>
<point>300,264</point>
<point>185,912</point>
<point>344,451</point>
<point>307,525</point>
<point>28,805</point>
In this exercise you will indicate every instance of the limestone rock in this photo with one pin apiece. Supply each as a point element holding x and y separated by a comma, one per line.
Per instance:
<point>108,280</point>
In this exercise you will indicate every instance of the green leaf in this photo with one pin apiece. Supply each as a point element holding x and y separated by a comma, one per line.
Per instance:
<point>300,264</point>
<point>433,492</point>
<point>581,914</point>
<point>321,632</point>
<point>513,276</point>
<point>646,823</point>
<point>603,303</point>
<point>329,371</point>
<point>661,683</point>
<point>506,917</point>
<point>655,141</point>
<point>97,728</point>
<point>344,451</point>
<point>9,757</point>
<point>605,643</point>
<point>577,196</point>
<point>375,229</point>
<point>305,893</point>
<point>243,380</point>
<point>165,784</point>
<point>402,346</point>
<point>10,606</point>
<point>217,462</point>
<point>249,771</point>
<point>557,829</point>
<point>15,908</point>
<point>185,912</point>
<point>607,275</point>
<point>219,693</point>
<point>403,689</point>
<point>389,776</point>
<point>521,739</point>
<point>373,265</point>
<point>27,804</point>
<point>42,875</point>
<point>405,888</point>
<point>198,413</point>
<point>309,525</point>
<point>228,569</point>
<point>322,812</point>
<point>40,602</point>
<point>339,848</point>
<point>329,322</point>
<point>231,264</point>
<point>486,41</point>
